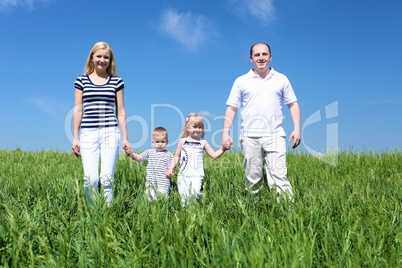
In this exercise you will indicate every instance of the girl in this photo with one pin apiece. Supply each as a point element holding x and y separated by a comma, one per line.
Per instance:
<point>97,91</point>
<point>190,150</point>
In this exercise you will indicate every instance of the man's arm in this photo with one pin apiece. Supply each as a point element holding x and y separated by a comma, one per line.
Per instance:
<point>295,114</point>
<point>227,124</point>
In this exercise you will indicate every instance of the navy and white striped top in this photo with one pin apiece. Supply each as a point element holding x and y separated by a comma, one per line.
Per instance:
<point>98,101</point>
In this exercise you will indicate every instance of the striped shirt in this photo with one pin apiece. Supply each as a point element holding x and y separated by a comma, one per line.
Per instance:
<point>158,165</point>
<point>98,101</point>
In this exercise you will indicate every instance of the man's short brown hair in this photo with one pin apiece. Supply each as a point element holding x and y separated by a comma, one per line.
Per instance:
<point>251,49</point>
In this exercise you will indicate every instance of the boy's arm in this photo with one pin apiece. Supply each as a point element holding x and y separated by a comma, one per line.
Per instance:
<point>169,160</point>
<point>135,156</point>
<point>211,152</point>
<point>175,160</point>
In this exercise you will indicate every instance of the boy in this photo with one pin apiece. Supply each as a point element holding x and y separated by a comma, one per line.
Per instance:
<point>158,160</point>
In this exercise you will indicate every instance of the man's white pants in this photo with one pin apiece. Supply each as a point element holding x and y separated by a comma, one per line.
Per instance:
<point>272,149</point>
<point>104,143</point>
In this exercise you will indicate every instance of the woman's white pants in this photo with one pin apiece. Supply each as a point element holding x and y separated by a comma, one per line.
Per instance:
<point>100,143</point>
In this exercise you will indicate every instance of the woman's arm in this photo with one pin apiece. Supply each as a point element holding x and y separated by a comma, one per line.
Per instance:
<point>77,118</point>
<point>210,151</point>
<point>121,117</point>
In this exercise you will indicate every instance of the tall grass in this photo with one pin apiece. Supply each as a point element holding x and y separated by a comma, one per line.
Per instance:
<point>342,216</point>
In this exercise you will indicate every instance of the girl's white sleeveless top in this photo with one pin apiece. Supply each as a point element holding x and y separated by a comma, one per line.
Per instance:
<point>191,163</point>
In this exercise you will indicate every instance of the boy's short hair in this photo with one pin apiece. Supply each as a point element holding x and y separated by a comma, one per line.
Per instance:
<point>160,130</point>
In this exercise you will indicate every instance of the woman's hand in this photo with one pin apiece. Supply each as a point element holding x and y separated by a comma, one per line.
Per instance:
<point>127,147</point>
<point>76,147</point>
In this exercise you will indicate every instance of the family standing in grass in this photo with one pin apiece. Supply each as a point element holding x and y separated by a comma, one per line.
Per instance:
<point>260,92</point>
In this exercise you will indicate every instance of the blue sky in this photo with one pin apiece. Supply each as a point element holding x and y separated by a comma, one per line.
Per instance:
<point>343,58</point>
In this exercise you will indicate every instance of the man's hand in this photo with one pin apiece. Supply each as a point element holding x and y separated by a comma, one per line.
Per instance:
<point>227,141</point>
<point>230,113</point>
<point>296,136</point>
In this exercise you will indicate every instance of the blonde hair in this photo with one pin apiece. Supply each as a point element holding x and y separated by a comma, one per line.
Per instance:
<point>161,131</point>
<point>89,66</point>
<point>197,120</point>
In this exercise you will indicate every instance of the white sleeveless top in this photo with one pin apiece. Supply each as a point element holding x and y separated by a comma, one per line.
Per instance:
<point>191,163</point>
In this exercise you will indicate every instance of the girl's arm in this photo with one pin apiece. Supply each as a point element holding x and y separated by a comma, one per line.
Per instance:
<point>77,118</point>
<point>175,160</point>
<point>210,151</point>
<point>121,117</point>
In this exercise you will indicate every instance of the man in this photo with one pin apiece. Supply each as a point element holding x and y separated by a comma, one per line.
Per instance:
<point>261,92</point>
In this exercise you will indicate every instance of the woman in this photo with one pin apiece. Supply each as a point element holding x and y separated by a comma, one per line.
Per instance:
<point>97,91</point>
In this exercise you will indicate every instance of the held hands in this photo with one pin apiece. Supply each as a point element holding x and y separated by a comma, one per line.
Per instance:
<point>227,142</point>
<point>127,147</point>
<point>76,147</point>
<point>130,154</point>
<point>297,137</point>
<point>170,173</point>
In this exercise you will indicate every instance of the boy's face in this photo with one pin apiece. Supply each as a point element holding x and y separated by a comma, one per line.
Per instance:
<point>160,142</point>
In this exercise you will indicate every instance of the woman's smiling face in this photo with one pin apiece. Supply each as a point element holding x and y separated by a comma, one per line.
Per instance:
<point>101,59</point>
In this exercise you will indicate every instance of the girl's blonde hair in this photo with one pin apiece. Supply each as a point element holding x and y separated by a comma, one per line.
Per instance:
<point>195,119</point>
<point>89,66</point>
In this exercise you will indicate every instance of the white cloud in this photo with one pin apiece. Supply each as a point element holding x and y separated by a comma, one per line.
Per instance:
<point>256,10</point>
<point>6,5</point>
<point>207,114</point>
<point>190,30</point>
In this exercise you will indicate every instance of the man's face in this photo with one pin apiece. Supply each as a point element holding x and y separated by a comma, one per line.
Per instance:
<point>160,142</point>
<point>260,57</point>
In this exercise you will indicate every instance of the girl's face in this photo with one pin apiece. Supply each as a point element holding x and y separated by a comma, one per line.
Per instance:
<point>101,59</point>
<point>194,130</point>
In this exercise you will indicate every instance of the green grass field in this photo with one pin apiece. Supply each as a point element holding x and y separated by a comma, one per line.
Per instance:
<point>347,215</point>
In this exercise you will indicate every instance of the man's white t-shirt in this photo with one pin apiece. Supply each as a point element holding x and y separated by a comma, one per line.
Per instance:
<point>261,100</point>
